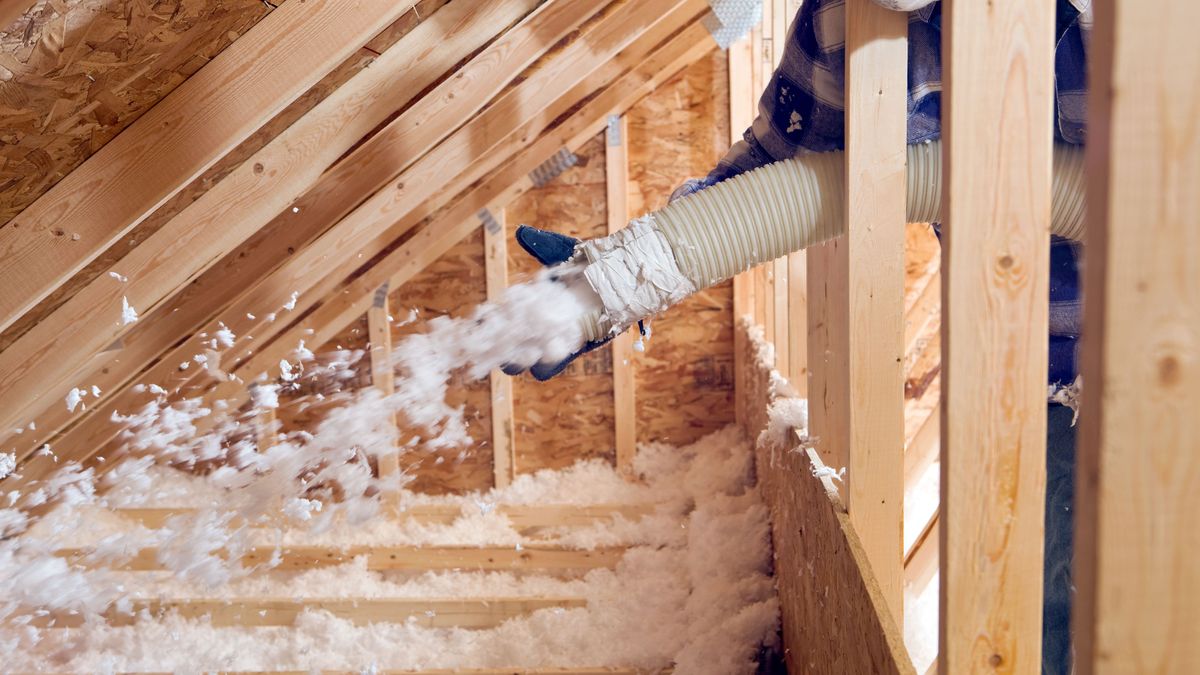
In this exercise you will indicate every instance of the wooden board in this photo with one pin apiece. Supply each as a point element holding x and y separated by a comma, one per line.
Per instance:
<point>495,241</point>
<point>527,519</point>
<point>835,616</point>
<point>997,131</point>
<point>871,301</point>
<point>685,376</point>
<point>1138,475</point>
<point>616,173</point>
<point>470,613</point>
<point>394,558</point>
<point>210,114</point>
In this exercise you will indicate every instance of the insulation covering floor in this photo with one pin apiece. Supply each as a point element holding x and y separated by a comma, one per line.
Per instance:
<point>691,591</point>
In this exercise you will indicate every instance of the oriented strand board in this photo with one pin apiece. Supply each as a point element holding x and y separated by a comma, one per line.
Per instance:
<point>685,376</point>
<point>570,417</point>
<point>452,286</point>
<point>835,617</point>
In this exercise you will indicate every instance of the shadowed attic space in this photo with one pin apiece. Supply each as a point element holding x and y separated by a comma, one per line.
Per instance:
<point>247,247</point>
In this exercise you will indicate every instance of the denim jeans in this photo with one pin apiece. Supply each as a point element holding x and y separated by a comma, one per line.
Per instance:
<point>1056,577</point>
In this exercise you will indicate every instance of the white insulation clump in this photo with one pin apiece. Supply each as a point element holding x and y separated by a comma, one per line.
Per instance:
<point>693,590</point>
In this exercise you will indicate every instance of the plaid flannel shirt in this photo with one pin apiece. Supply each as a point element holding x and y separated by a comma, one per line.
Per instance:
<point>802,110</point>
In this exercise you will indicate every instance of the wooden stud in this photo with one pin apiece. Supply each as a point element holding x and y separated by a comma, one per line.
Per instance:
<point>1138,475</point>
<point>187,132</point>
<point>741,116</point>
<point>254,193</point>
<point>504,451</point>
<point>616,172</point>
<point>463,613</point>
<point>870,287</point>
<point>292,558</point>
<point>383,375</point>
<point>998,65</point>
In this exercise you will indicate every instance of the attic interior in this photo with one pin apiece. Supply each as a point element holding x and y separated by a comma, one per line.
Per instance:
<point>262,280</point>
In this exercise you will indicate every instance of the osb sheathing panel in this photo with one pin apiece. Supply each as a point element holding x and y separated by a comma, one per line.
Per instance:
<point>569,417</point>
<point>275,241</point>
<point>452,286</point>
<point>684,379</point>
<point>834,617</point>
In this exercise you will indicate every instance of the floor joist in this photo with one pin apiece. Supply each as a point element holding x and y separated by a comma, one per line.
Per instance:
<point>388,558</point>
<point>474,613</point>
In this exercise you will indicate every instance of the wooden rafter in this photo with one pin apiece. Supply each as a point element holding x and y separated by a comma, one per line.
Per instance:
<point>44,361</point>
<point>193,127</point>
<point>93,433</point>
<point>996,206</point>
<point>438,236</point>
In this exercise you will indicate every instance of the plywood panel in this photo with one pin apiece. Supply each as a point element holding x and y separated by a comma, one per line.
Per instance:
<point>571,416</point>
<point>835,617</point>
<point>451,286</point>
<point>685,376</point>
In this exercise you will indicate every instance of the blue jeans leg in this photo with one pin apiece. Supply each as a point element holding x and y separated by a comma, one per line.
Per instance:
<point>1060,496</point>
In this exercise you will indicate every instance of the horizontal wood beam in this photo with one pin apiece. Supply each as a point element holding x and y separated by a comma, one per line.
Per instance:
<point>42,363</point>
<point>291,558</point>
<point>472,613</point>
<point>527,519</point>
<point>208,115</point>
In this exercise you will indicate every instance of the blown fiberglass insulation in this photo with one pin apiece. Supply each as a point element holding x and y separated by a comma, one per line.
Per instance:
<point>694,590</point>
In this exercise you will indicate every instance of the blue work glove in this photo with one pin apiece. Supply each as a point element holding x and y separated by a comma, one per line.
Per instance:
<point>550,249</point>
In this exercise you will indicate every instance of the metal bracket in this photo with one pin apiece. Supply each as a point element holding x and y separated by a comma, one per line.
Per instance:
<point>381,294</point>
<point>489,221</point>
<point>551,168</point>
<point>614,130</point>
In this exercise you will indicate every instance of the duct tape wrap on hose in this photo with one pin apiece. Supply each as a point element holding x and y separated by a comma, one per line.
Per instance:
<point>709,236</point>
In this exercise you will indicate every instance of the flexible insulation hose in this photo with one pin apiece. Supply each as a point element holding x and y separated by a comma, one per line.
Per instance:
<point>777,209</point>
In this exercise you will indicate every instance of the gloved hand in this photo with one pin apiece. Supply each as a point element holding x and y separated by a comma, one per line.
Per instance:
<point>550,249</point>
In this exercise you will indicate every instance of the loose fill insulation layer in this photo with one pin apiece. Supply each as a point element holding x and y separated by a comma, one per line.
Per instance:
<point>692,589</point>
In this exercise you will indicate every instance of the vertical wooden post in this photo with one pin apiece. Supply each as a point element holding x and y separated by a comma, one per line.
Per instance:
<point>858,378</point>
<point>383,376</point>
<point>504,464</point>
<point>761,68</point>
<point>1138,474</point>
<point>998,65</point>
<point>742,97</point>
<point>616,172</point>
<point>787,271</point>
